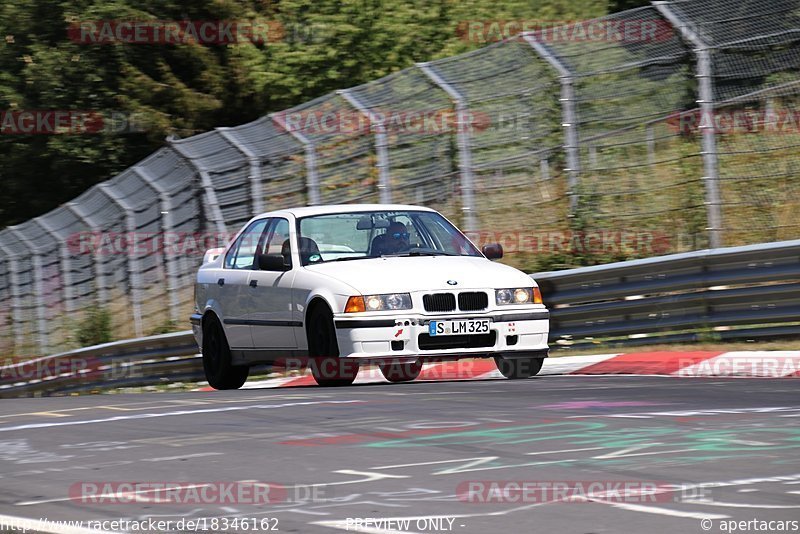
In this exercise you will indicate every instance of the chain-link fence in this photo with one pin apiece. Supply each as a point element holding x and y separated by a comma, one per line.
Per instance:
<point>661,129</point>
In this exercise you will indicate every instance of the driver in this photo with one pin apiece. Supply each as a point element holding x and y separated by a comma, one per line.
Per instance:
<point>395,240</point>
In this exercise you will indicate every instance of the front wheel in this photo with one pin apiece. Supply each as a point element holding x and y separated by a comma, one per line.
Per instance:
<point>400,372</point>
<point>327,368</point>
<point>219,370</point>
<point>516,368</point>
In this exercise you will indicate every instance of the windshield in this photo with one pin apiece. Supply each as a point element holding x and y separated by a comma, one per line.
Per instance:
<point>359,235</point>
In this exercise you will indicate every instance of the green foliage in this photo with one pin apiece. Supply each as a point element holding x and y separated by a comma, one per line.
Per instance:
<point>164,328</point>
<point>615,6</point>
<point>188,89</point>
<point>94,328</point>
<point>579,256</point>
<point>706,334</point>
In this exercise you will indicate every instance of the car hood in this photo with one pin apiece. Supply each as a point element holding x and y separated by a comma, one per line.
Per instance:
<point>407,274</point>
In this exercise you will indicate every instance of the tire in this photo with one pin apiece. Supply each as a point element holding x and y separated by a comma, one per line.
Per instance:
<point>220,372</point>
<point>327,368</point>
<point>517,368</point>
<point>400,372</point>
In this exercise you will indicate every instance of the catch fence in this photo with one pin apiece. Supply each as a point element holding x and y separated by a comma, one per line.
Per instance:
<point>568,149</point>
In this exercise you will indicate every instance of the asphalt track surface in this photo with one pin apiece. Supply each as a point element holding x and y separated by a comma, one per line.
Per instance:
<point>718,449</point>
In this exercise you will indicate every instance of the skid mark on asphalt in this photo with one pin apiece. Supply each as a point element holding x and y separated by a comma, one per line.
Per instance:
<point>386,523</point>
<point>365,476</point>
<point>642,443</point>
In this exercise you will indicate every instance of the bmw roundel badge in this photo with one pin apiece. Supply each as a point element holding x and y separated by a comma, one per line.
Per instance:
<point>452,282</point>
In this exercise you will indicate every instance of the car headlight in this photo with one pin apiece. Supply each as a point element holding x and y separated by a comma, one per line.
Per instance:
<point>519,295</point>
<point>389,301</point>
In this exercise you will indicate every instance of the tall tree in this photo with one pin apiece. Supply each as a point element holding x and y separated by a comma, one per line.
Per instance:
<point>185,89</point>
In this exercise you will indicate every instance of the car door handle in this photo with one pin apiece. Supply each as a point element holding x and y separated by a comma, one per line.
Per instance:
<point>253,283</point>
<point>221,282</point>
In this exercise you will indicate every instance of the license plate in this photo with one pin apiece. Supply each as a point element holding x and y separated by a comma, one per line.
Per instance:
<point>456,328</point>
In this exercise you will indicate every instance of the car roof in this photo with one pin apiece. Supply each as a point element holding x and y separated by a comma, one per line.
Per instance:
<point>305,211</point>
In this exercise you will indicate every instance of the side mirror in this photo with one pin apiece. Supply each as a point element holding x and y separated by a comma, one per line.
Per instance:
<point>493,251</point>
<point>273,262</point>
<point>212,254</point>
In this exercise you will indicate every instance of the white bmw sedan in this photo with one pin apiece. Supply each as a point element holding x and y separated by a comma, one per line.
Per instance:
<point>338,286</point>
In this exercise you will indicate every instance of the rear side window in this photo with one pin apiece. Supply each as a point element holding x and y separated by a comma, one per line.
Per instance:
<point>242,254</point>
<point>276,237</point>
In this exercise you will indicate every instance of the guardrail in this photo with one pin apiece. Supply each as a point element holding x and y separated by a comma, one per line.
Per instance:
<point>135,362</point>
<point>740,293</point>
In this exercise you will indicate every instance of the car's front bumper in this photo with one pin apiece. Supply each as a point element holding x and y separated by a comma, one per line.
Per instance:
<point>512,333</point>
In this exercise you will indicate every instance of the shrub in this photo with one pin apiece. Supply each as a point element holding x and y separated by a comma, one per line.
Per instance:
<point>95,328</point>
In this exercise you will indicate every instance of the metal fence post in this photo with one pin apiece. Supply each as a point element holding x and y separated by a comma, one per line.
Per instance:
<point>381,145</point>
<point>167,227</point>
<point>99,275</point>
<point>545,185</point>
<point>212,204</point>
<point>134,268</point>
<point>651,144</point>
<point>16,305</point>
<point>65,263</point>
<point>464,146</point>
<point>705,71</point>
<point>312,178</point>
<point>38,289</point>
<point>569,117</point>
<point>256,192</point>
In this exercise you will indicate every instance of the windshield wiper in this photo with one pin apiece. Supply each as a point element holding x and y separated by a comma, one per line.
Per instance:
<point>419,253</point>
<point>398,255</point>
<point>348,258</point>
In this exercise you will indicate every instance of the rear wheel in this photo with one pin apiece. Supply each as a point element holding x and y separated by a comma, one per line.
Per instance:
<point>219,370</point>
<point>516,368</point>
<point>327,368</point>
<point>400,372</point>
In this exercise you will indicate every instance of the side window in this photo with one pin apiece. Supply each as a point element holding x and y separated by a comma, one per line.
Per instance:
<point>439,234</point>
<point>446,238</point>
<point>413,236</point>
<point>243,253</point>
<point>278,234</point>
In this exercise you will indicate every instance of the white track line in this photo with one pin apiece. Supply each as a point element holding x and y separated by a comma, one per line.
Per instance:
<point>178,413</point>
<point>661,511</point>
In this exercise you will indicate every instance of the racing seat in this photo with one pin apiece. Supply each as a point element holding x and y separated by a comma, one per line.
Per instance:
<point>378,246</point>
<point>308,249</point>
<point>385,244</point>
<point>286,251</point>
